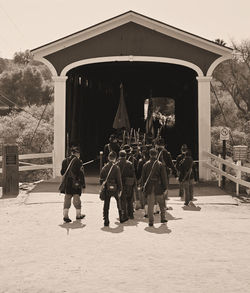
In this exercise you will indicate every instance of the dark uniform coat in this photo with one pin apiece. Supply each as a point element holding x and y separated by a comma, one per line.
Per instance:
<point>158,178</point>
<point>110,147</point>
<point>114,176</point>
<point>166,159</point>
<point>74,171</point>
<point>184,168</point>
<point>127,169</point>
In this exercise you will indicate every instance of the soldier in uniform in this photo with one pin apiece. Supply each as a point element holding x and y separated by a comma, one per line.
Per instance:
<point>113,186</point>
<point>179,160</point>
<point>187,177</point>
<point>73,166</point>
<point>112,146</point>
<point>142,161</point>
<point>165,157</point>
<point>128,182</point>
<point>154,182</point>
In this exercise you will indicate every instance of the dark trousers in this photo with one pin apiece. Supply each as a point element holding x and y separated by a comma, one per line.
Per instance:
<point>151,199</point>
<point>107,205</point>
<point>127,201</point>
<point>189,189</point>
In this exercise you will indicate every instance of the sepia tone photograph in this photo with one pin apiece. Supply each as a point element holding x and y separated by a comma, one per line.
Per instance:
<point>124,146</point>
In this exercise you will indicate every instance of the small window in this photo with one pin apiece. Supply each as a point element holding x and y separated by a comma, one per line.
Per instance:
<point>163,110</point>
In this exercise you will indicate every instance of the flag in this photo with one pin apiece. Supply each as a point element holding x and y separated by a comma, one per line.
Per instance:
<point>121,118</point>
<point>149,120</point>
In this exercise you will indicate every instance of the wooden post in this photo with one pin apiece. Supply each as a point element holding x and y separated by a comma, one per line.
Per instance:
<point>238,176</point>
<point>224,151</point>
<point>219,178</point>
<point>101,160</point>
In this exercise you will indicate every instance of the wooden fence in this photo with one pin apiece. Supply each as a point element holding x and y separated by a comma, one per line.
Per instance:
<point>30,166</point>
<point>215,163</point>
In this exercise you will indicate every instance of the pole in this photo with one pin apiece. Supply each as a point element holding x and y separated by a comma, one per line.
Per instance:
<point>224,151</point>
<point>101,161</point>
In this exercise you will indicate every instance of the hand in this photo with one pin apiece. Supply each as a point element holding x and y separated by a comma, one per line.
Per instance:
<point>119,194</point>
<point>177,178</point>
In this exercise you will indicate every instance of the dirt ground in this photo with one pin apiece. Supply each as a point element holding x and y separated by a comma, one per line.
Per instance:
<point>202,250</point>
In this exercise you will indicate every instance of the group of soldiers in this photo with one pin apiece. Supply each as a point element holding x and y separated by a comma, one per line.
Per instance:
<point>135,174</point>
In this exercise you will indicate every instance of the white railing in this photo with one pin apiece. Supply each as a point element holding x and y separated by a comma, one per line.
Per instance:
<point>237,167</point>
<point>30,166</point>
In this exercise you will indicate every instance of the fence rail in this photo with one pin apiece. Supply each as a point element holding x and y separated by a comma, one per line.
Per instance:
<point>31,166</point>
<point>237,167</point>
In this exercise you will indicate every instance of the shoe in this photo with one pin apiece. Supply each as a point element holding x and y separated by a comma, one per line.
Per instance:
<point>164,221</point>
<point>157,213</point>
<point>131,217</point>
<point>80,217</point>
<point>124,220</point>
<point>67,220</point>
<point>151,224</point>
<point>145,216</point>
<point>106,223</point>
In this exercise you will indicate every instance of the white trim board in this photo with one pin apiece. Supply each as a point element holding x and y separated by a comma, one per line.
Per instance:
<point>132,58</point>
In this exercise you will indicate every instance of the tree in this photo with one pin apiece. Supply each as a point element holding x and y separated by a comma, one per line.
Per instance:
<point>23,58</point>
<point>234,78</point>
<point>26,86</point>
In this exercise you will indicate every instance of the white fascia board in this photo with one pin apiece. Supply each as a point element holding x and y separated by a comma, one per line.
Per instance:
<point>123,19</point>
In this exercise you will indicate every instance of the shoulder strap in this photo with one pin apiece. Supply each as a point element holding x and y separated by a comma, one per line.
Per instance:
<point>69,165</point>
<point>108,174</point>
<point>146,182</point>
<point>159,155</point>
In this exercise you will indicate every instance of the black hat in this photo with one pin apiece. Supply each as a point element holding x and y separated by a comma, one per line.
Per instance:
<point>122,154</point>
<point>153,152</point>
<point>160,141</point>
<point>74,150</point>
<point>127,148</point>
<point>184,148</point>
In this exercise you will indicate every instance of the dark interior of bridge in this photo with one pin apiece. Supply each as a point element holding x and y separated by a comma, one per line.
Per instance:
<point>93,93</point>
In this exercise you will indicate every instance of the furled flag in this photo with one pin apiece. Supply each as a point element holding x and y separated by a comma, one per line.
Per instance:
<point>121,118</point>
<point>149,120</point>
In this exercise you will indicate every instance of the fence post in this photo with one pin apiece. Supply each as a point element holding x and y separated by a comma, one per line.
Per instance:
<point>238,175</point>
<point>219,167</point>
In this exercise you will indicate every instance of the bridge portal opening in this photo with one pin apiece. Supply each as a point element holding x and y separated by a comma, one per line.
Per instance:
<point>93,93</point>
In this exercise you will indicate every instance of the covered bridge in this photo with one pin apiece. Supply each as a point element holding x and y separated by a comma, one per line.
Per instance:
<point>150,58</point>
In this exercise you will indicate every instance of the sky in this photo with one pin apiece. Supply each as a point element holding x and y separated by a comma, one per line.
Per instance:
<point>28,24</point>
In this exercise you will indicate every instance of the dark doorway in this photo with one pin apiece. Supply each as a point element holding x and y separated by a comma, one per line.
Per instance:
<point>93,93</point>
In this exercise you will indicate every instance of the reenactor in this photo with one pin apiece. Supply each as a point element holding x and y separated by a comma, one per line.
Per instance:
<point>112,175</point>
<point>154,182</point>
<point>74,184</point>
<point>112,146</point>
<point>165,157</point>
<point>179,161</point>
<point>128,183</point>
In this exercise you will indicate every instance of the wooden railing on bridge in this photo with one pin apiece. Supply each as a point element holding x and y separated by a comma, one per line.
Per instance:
<point>30,166</point>
<point>215,163</point>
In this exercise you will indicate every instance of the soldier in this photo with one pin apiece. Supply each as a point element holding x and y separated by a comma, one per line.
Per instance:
<point>154,182</point>
<point>187,177</point>
<point>74,183</point>
<point>179,160</point>
<point>165,157</point>
<point>112,146</point>
<point>112,174</point>
<point>128,182</point>
<point>142,161</point>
